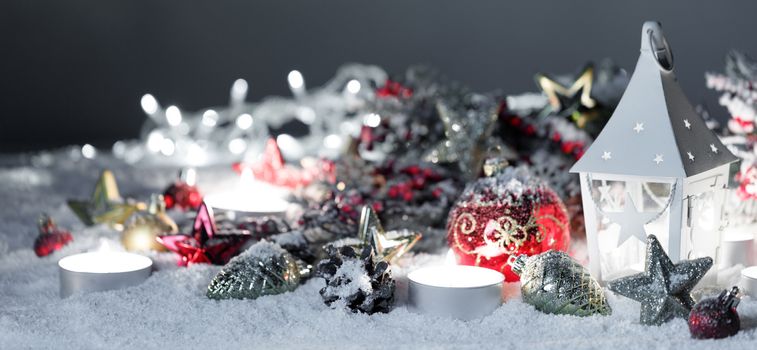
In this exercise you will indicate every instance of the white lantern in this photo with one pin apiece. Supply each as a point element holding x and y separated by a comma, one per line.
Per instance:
<point>654,169</point>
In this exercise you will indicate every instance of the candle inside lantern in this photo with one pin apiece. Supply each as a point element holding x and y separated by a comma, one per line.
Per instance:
<point>457,291</point>
<point>102,270</point>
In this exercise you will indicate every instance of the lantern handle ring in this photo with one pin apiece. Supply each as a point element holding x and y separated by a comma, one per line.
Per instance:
<point>659,46</point>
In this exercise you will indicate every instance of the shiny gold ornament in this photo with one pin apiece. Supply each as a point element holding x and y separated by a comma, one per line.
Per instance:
<point>143,227</point>
<point>573,101</point>
<point>106,205</point>
<point>386,245</point>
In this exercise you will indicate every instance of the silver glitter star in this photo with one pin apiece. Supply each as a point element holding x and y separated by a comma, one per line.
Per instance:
<point>466,138</point>
<point>664,288</point>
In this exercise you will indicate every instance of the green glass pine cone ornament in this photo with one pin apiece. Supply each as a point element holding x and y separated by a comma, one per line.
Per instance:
<point>554,283</point>
<point>263,269</point>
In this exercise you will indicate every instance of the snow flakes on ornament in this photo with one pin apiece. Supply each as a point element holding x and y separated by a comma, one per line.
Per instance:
<point>664,288</point>
<point>509,213</point>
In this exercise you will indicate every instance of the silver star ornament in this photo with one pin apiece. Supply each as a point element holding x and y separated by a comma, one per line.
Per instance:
<point>664,288</point>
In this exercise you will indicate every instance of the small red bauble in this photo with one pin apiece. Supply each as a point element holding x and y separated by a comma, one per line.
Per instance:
<point>715,318</point>
<point>182,196</point>
<point>51,238</point>
<point>507,214</point>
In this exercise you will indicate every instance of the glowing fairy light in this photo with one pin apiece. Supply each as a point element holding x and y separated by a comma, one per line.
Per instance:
<point>372,120</point>
<point>173,115</point>
<point>353,86</point>
<point>296,80</point>
<point>88,151</point>
<point>210,118</point>
<point>239,91</point>
<point>149,104</point>
<point>154,141</point>
<point>244,121</point>
<point>167,147</point>
<point>237,146</point>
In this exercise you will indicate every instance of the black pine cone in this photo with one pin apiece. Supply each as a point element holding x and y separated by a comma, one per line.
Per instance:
<point>362,284</point>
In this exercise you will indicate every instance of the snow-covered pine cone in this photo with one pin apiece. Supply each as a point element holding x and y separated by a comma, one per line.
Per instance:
<point>356,281</point>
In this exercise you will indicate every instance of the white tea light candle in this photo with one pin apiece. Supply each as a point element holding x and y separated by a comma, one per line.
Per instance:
<point>249,197</point>
<point>457,291</point>
<point>103,270</point>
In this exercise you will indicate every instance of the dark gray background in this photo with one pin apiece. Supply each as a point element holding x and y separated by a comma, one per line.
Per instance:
<point>73,71</point>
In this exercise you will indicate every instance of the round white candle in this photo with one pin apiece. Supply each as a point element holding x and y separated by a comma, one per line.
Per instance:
<point>462,292</point>
<point>259,204</point>
<point>749,281</point>
<point>456,276</point>
<point>249,197</point>
<point>98,271</point>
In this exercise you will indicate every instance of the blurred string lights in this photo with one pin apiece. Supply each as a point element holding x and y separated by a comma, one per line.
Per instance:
<point>239,131</point>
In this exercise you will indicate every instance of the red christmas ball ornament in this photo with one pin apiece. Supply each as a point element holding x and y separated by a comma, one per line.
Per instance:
<point>182,196</point>
<point>51,238</point>
<point>507,213</point>
<point>715,318</point>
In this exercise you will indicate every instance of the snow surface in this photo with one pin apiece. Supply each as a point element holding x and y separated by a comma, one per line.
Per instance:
<point>170,310</point>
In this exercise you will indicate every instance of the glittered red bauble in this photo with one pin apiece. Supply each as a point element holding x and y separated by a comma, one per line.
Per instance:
<point>182,196</point>
<point>507,214</point>
<point>48,243</point>
<point>715,318</point>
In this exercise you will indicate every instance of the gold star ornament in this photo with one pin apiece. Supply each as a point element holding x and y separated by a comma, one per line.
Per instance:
<point>572,101</point>
<point>387,245</point>
<point>143,227</point>
<point>106,205</point>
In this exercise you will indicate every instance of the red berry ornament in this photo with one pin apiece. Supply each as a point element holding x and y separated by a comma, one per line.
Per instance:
<point>509,213</point>
<point>51,238</point>
<point>714,318</point>
<point>182,196</point>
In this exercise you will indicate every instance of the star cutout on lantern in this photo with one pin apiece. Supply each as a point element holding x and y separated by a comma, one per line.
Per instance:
<point>106,205</point>
<point>205,245</point>
<point>657,159</point>
<point>466,138</point>
<point>631,221</point>
<point>687,124</point>
<point>690,155</point>
<point>573,100</point>
<point>664,288</point>
<point>639,127</point>
<point>713,148</point>
<point>385,245</point>
<point>606,155</point>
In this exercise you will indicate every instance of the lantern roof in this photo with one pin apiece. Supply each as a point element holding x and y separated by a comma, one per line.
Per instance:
<point>654,131</point>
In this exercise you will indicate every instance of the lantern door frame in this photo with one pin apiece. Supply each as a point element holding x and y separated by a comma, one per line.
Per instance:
<point>674,210</point>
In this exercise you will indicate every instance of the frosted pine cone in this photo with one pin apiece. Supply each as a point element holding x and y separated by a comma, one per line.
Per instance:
<point>358,282</point>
